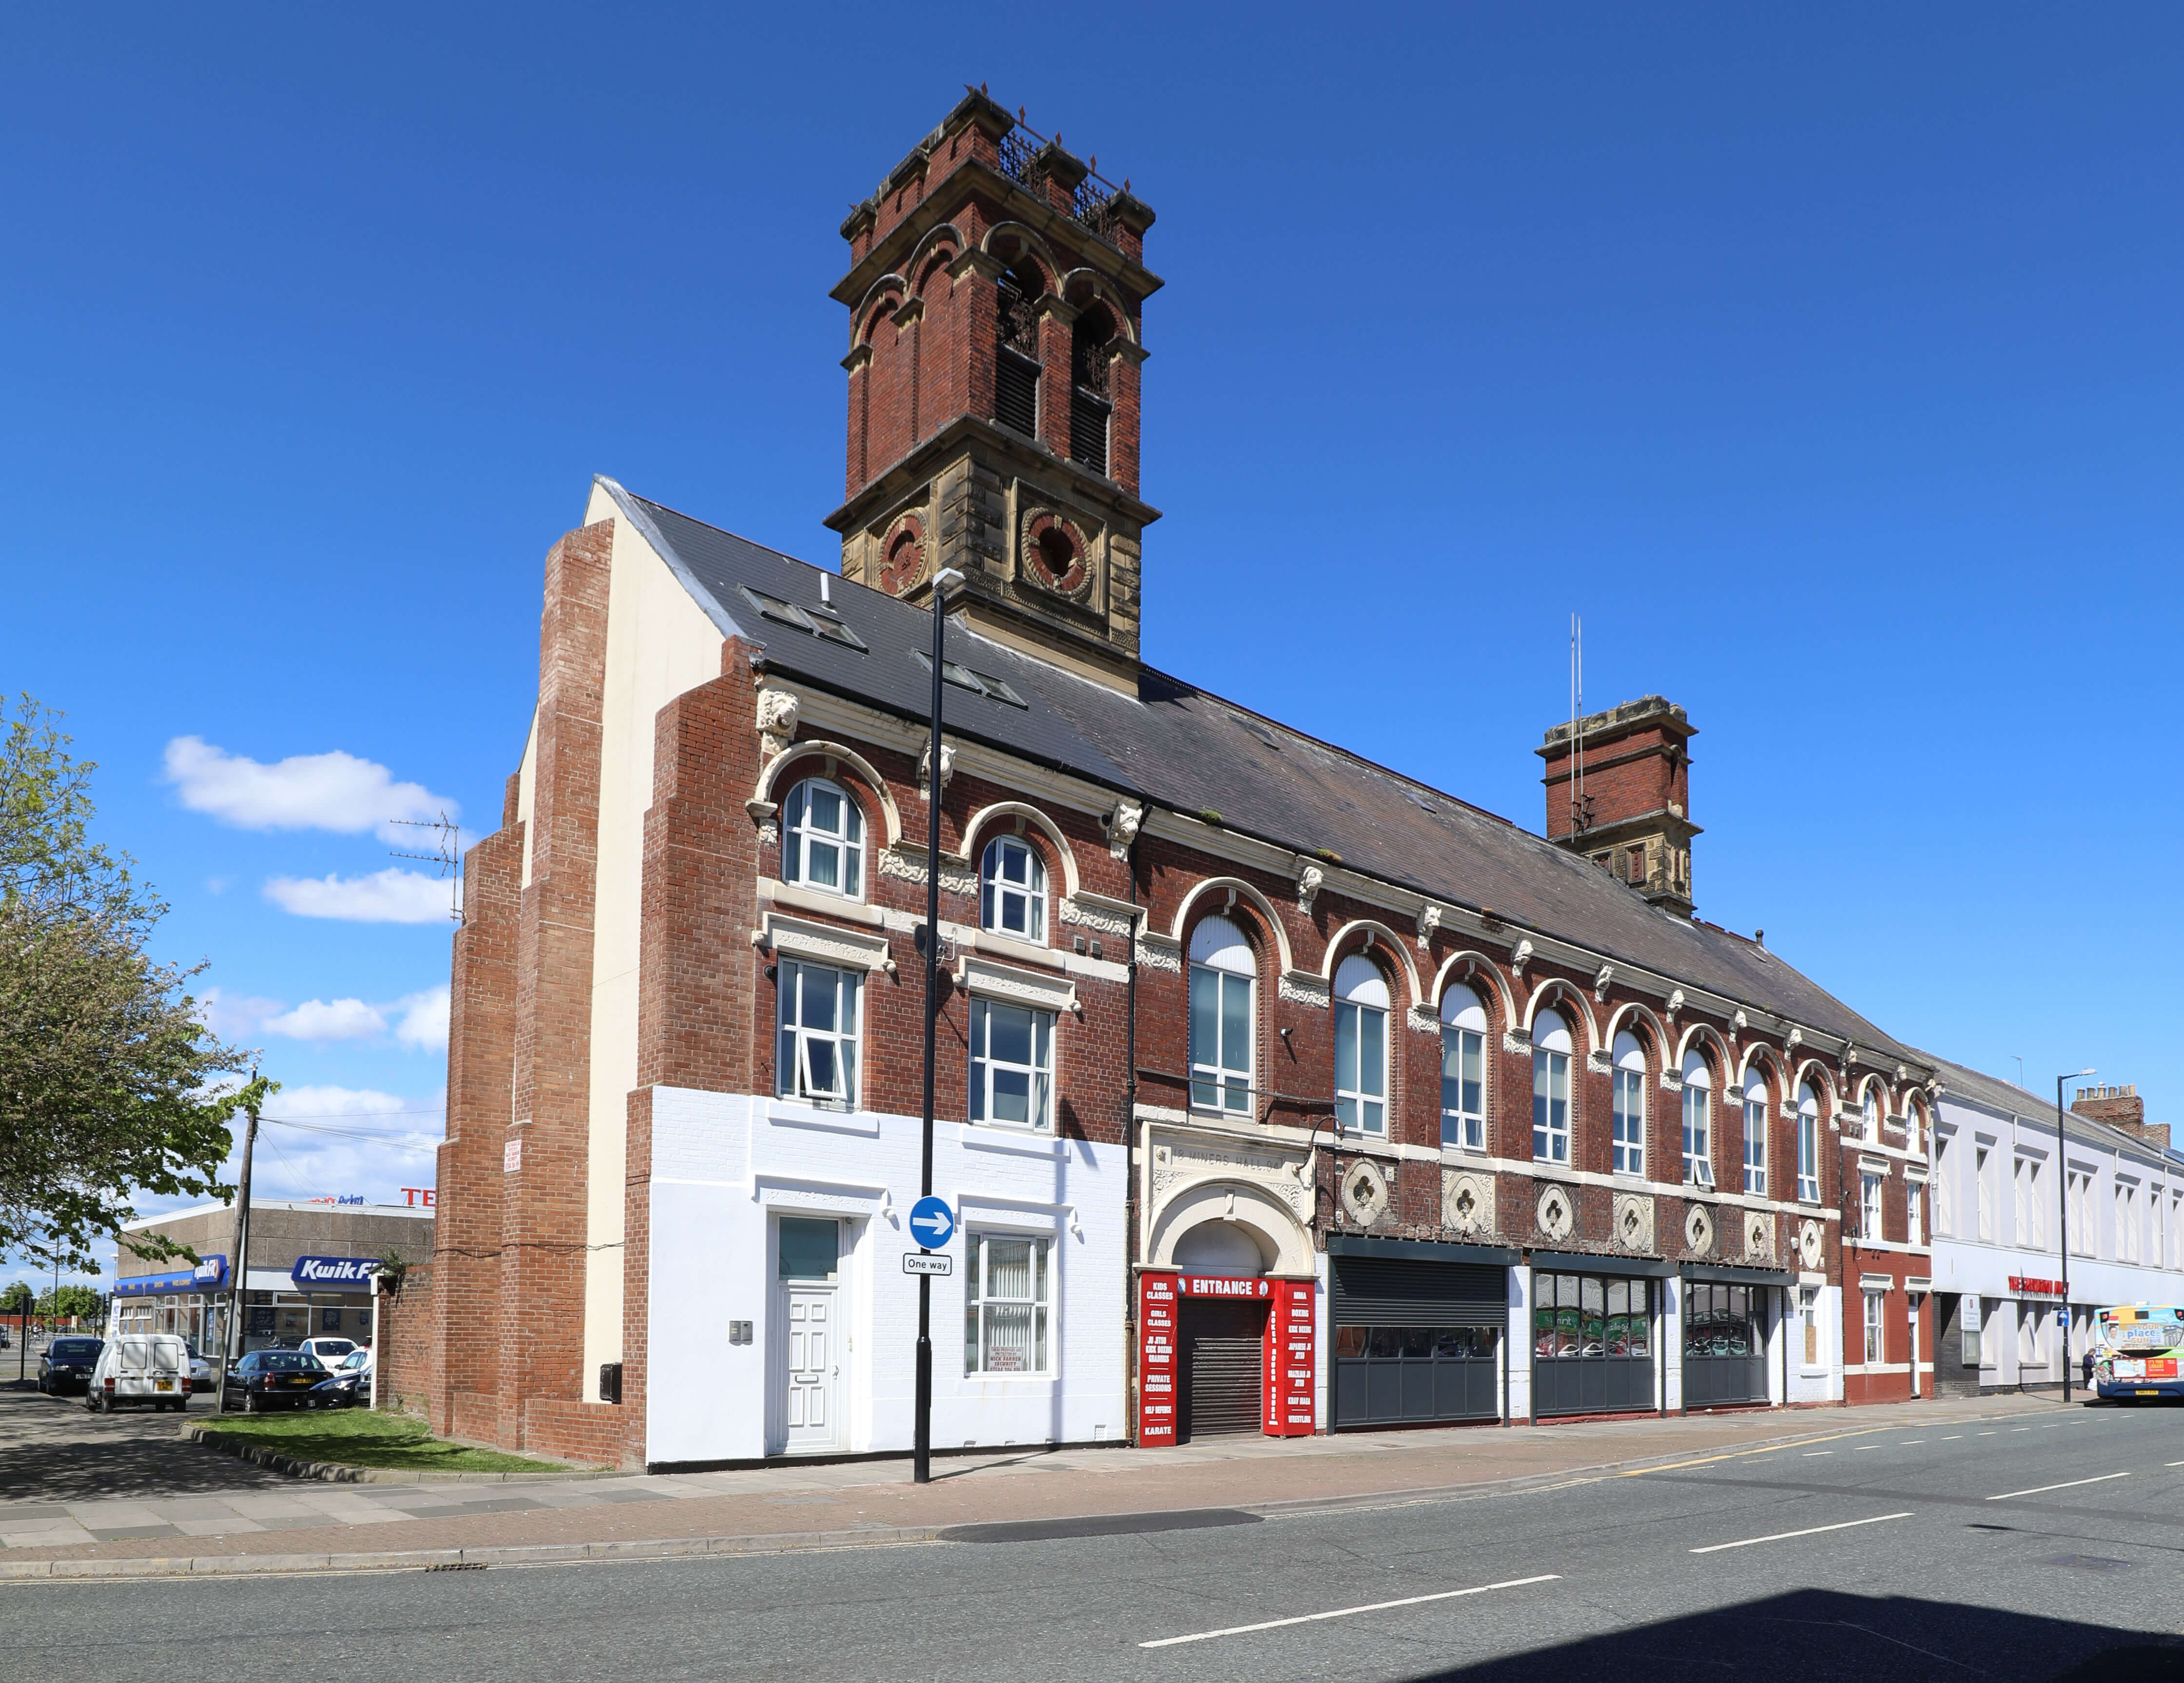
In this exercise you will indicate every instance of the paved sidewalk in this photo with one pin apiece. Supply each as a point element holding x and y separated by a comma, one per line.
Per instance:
<point>792,1504</point>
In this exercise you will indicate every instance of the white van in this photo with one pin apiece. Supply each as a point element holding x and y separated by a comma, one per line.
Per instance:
<point>141,1369</point>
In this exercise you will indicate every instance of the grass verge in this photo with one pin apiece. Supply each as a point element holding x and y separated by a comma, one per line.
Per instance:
<point>357,1437</point>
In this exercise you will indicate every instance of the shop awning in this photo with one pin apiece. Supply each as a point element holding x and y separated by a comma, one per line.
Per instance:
<point>1720,1274</point>
<point>1580,1262</point>
<point>207,1276</point>
<point>1421,1250</point>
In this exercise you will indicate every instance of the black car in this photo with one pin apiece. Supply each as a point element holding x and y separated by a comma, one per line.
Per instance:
<point>275,1379</point>
<point>67,1363</point>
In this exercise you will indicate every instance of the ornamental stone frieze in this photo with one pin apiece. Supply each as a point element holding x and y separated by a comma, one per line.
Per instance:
<point>1811,1246</point>
<point>1179,1161</point>
<point>1365,1197</point>
<point>1759,1235</point>
<point>1699,1229</point>
<point>1467,1202</point>
<point>1556,1212</point>
<point>1634,1222</point>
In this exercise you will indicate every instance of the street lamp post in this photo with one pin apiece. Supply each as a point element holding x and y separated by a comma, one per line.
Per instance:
<point>947,579</point>
<point>2063,1219</point>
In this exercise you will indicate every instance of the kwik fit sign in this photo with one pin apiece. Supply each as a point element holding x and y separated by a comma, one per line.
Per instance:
<point>336,1274</point>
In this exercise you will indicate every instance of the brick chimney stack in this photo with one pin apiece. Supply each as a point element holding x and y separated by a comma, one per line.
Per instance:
<point>2120,1107</point>
<point>1619,791</point>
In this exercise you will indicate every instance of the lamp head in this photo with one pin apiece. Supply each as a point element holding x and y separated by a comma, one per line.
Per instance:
<point>946,581</point>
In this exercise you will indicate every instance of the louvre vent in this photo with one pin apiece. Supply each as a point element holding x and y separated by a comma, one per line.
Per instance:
<point>1087,429</point>
<point>1016,391</point>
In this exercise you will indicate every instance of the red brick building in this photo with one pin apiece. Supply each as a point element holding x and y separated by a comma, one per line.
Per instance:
<point>1277,1091</point>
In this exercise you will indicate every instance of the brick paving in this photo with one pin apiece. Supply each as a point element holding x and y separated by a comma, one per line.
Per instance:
<point>305,1517</point>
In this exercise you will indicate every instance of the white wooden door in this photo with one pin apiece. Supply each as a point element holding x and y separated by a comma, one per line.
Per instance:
<point>811,1369</point>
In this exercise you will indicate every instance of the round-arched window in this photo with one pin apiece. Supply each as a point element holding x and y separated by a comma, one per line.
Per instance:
<point>1013,889</point>
<point>1360,1047</point>
<point>1551,1088</point>
<point>1808,1143</point>
<point>1629,1104</point>
<point>1755,1131</point>
<point>1222,972</point>
<point>1698,1120</point>
<point>823,838</point>
<point>1462,1069</point>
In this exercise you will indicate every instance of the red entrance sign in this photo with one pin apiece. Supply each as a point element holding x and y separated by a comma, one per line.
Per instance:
<point>1287,1365</point>
<point>2025,1286</point>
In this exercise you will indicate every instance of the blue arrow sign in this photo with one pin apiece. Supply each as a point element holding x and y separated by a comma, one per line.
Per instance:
<point>931,1223</point>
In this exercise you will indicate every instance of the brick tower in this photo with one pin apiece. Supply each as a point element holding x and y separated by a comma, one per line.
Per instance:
<point>995,290</point>
<point>1619,792</point>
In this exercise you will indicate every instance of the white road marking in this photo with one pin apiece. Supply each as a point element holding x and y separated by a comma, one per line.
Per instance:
<point>1809,1531</point>
<point>1346,1612</point>
<point>2069,1484</point>
<point>1810,1453</point>
<point>1952,1437</point>
<point>1863,1447</point>
<point>1907,1442</point>
<point>2173,1463</point>
<point>1984,1435</point>
<point>2019,1429</point>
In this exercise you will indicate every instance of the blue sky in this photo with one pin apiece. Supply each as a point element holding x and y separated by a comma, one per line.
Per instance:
<point>1826,361</point>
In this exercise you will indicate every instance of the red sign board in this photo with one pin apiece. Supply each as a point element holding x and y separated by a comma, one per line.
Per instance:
<point>1160,1359</point>
<point>1287,1367</point>
<point>2025,1286</point>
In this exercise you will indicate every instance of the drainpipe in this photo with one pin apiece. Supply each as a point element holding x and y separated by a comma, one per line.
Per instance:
<point>1130,1173</point>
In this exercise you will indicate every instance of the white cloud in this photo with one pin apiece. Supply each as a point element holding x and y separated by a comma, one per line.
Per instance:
<point>303,1162</point>
<point>230,1014</point>
<point>334,791</point>
<point>325,1020</point>
<point>388,896</point>
<point>423,1024</point>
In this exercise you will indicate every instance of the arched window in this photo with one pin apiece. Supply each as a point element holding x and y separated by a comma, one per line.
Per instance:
<point>1869,1117</point>
<point>1551,1089</point>
<point>1222,972</point>
<point>1360,1047</point>
<point>1755,1132</point>
<point>1698,1120</point>
<point>823,838</point>
<point>1808,1145</point>
<point>1013,889</point>
<point>1629,1106</point>
<point>1462,1069</point>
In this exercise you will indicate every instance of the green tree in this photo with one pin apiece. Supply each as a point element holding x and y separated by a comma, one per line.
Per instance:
<point>80,1300</point>
<point>16,1299</point>
<point>111,1085</point>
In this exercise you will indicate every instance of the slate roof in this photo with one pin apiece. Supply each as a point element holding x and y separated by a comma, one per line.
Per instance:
<point>2007,1098</point>
<point>1177,747</point>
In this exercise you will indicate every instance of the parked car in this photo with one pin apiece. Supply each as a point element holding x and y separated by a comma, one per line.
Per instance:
<point>330,1352</point>
<point>201,1371</point>
<point>67,1365</point>
<point>350,1385</point>
<point>142,1369</point>
<point>266,1379</point>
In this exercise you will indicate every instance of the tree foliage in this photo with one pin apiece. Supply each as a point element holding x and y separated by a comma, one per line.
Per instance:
<point>80,1300</point>
<point>111,1085</point>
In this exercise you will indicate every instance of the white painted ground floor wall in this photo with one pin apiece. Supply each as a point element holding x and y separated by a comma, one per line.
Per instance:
<point>728,1168</point>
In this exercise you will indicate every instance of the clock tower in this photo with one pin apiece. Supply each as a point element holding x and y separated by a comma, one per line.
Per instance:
<point>995,293</point>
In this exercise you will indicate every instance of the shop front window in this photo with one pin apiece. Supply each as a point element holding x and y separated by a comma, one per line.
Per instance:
<point>1585,1315</point>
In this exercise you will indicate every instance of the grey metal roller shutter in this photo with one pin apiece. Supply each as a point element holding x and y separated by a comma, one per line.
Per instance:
<point>1379,1291</point>
<point>1224,1386</point>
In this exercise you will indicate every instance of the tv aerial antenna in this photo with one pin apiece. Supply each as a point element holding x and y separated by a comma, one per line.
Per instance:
<point>447,855</point>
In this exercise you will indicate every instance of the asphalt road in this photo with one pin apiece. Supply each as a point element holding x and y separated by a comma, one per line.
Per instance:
<point>53,1449</point>
<point>1904,1554</point>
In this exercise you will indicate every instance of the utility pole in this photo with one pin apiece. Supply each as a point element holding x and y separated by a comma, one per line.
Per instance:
<point>922,1440</point>
<point>238,1272</point>
<point>2063,1221</point>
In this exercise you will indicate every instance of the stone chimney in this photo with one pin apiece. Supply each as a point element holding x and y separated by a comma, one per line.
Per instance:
<point>1619,791</point>
<point>2120,1107</point>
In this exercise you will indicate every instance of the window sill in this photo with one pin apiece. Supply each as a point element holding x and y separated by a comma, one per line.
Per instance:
<point>787,1112</point>
<point>1005,1136</point>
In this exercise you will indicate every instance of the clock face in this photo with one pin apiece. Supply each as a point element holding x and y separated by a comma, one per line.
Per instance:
<point>905,558</point>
